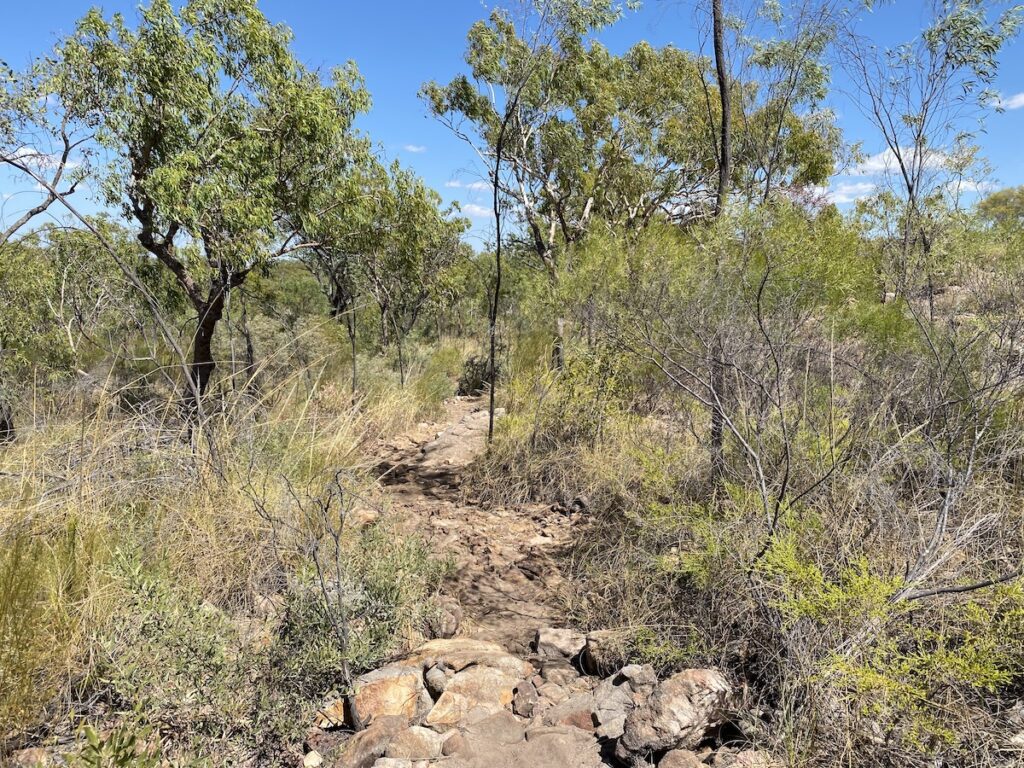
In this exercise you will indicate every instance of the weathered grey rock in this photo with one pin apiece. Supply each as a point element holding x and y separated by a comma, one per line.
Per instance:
<point>501,728</point>
<point>618,695</point>
<point>558,643</point>
<point>524,699</point>
<point>577,712</point>
<point>416,743</point>
<point>436,680</point>
<point>553,693</point>
<point>558,671</point>
<point>681,758</point>
<point>677,714</point>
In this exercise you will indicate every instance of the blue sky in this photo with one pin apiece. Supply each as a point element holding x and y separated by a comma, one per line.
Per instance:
<point>399,44</point>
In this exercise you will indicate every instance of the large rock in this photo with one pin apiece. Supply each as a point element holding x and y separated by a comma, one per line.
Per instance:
<point>363,749</point>
<point>558,643</point>
<point>678,713</point>
<point>395,690</point>
<point>416,743</point>
<point>542,747</point>
<point>616,696</point>
<point>484,690</point>
<point>458,653</point>
<point>577,711</point>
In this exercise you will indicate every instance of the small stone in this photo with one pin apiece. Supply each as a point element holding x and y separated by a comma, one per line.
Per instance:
<point>436,681</point>
<point>524,699</point>
<point>312,759</point>
<point>555,643</point>
<point>681,758</point>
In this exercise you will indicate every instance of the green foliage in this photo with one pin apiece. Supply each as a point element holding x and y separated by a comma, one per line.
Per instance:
<point>123,747</point>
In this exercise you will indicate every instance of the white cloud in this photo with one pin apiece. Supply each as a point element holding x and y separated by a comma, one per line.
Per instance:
<point>477,211</point>
<point>414,148</point>
<point>1011,102</point>
<point>886,162</point>
<point>969,186</point>
<point>476,186</point>
<point>850,191</point>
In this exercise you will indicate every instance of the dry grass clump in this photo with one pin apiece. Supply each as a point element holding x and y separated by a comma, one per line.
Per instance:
<point>164,578</point>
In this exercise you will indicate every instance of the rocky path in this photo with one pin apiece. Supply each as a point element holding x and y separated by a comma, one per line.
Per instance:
<point>504,685</point>
<point>506,575</point>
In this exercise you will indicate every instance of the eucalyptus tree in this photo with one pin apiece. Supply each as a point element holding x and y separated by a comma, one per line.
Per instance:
<point>925,97</point>
<point>413,241</point>
<point>43,136</point>
<point>506,97</point>
<point>211,128</point>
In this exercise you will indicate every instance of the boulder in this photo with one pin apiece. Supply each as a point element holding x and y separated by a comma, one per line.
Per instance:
<point>416,743</point>
<point>542,747</point>
<point>681,758</point>
<point>481,688</point>
<point>558,643</point>
<point>394,690</point>
<point>363,749</point>
<point>618,695</point>
<point>391,762</point>
<point>678,713</point>
<point>577,711</point>
<point>458,653</point>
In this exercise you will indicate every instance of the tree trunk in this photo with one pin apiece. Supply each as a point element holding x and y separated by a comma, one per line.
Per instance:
<point>558,352</point>
<point>203,365</point>
<point>7,429</point>
<point>724,171</point>
<point>725,140</point>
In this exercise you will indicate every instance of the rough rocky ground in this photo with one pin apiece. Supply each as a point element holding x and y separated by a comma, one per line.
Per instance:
<point>505,558</point>
<point>504,685</point>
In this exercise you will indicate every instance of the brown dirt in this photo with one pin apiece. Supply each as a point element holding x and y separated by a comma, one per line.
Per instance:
<point>506,558</point>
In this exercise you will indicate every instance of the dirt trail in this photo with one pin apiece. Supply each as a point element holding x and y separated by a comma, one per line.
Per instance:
<point>506,576</point>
